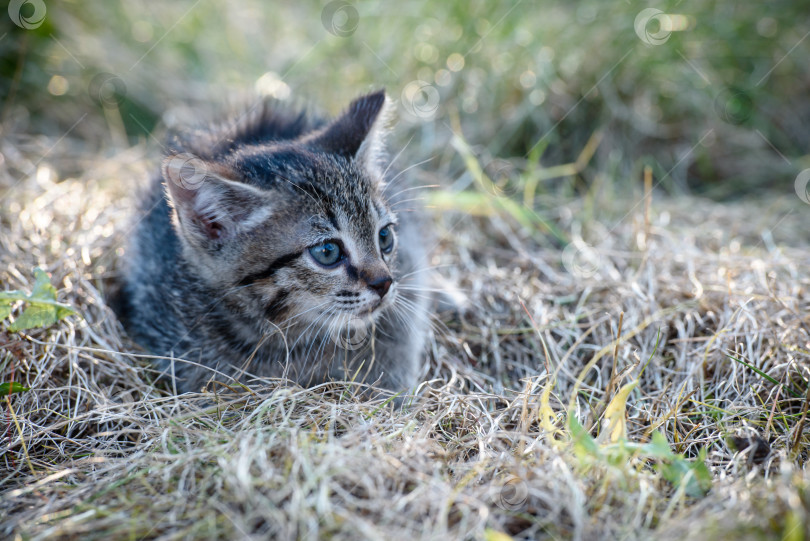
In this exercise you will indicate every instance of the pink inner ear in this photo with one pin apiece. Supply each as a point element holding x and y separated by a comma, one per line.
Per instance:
<point>207,202</point>
<point>214,230</point>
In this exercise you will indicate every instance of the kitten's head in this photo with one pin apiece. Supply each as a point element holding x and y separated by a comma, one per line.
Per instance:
<point>292,230</point>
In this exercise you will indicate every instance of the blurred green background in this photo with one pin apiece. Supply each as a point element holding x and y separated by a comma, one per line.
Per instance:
<point>712,94</point>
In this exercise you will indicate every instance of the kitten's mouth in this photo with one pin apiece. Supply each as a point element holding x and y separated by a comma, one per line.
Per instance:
<point>369,309</point>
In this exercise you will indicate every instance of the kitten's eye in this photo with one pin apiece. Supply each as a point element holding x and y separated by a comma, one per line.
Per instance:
<point>386,240</point>
<point>326,254</point>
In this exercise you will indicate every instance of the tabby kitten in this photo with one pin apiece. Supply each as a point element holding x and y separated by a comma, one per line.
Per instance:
<point>274,247</point>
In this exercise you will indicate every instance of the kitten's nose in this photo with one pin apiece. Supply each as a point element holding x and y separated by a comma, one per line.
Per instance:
<point>381,285</point>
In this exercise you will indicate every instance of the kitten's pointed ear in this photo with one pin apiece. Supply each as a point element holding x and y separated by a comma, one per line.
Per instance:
<point>359,133</point>
<point>207,205</point>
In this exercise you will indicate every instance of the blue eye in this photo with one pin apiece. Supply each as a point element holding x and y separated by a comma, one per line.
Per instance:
<point>386,240</point>
<point>326,254</point>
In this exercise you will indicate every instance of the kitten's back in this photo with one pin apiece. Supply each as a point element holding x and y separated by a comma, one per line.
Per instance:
<point>269,120</point>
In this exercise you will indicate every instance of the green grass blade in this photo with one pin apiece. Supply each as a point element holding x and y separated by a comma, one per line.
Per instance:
<point>788,388</point>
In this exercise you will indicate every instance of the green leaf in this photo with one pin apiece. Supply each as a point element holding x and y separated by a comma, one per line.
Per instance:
<point>702,474</point>
<point>36,315</point>
<point>13,387</point>
<point>42,286</point>
<point>677,470</point>
<point>583,442</point>
<point>659,447</point>
<point>42,310</point>
<point>63,311</point>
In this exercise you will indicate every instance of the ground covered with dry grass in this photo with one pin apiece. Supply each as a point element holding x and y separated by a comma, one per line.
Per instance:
<point>520,429</point>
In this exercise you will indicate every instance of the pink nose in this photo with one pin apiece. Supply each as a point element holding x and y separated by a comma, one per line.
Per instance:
<point>381,285</point>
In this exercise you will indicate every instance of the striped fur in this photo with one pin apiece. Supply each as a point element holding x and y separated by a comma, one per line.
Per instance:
<point>219,275</point>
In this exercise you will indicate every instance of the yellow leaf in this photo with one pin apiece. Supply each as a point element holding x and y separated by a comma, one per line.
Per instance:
<point>546,414</point>
<point>615,427</point>
<point>495,535</point>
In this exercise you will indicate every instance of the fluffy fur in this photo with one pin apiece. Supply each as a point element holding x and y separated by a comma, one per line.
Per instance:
<point>219,276</point>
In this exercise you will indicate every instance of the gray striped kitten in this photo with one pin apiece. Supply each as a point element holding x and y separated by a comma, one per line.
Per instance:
<point>274,247</point>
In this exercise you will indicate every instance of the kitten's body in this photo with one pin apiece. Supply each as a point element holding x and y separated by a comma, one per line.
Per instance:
<point>226,269</point>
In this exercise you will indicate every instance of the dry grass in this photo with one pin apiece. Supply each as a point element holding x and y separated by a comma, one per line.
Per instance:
<point>95,451</point>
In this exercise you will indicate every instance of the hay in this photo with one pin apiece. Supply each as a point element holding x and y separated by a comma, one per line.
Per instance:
<point>96,451</point>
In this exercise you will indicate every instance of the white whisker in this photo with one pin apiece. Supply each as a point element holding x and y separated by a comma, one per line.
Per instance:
<point>408,169</point>
<point>423,269</point>
<point>424,186</point>
<point>394,205</point>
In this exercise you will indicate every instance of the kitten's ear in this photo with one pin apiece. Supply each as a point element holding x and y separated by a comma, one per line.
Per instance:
<point>207,205</point>
<point>359,133</point>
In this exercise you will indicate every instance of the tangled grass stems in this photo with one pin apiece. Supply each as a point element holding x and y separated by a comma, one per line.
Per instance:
<point>484,446</point>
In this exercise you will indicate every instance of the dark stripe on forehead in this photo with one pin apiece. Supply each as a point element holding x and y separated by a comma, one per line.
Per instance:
<point>332,219</point>
<point>280,263</point>
<point>324,201</point>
